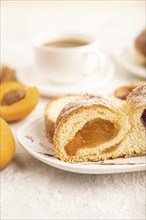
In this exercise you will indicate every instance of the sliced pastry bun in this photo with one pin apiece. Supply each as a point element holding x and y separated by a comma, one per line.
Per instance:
<point>88,126</point>
<point>135,141</point>
<point>52,110</point>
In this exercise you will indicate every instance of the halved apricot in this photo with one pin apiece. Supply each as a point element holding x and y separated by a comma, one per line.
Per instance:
<point>17,100</point>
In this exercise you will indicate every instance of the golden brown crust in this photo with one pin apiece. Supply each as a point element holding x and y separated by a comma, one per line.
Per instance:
<point>49,123</point>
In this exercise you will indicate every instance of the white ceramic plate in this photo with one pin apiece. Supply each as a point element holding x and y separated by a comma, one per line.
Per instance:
<point>126,59</point>
<point>32,138</point>
<point>90,84</point>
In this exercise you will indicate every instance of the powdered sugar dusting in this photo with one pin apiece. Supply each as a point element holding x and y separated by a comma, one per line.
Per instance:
<point>84,101</point>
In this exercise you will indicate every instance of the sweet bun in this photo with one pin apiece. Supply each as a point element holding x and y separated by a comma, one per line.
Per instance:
<point>87,127</point>
<point>134,143</point>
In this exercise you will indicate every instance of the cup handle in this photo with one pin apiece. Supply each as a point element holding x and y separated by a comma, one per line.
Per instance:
<point>92,62</point>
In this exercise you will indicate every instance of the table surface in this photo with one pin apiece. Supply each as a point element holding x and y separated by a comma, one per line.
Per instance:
<point>31,189</point>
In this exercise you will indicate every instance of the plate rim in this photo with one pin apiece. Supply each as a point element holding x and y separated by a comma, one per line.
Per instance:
<point>94,169</point>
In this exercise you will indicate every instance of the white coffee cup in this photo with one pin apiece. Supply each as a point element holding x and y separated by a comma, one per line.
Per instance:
<point>66,58</point>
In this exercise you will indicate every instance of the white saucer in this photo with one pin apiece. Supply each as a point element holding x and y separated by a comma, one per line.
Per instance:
<point>126,59</point>
<point>29,75</point>
<point>32,138</point>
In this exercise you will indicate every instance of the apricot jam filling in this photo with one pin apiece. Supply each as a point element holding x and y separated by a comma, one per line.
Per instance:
<point>94,133</point>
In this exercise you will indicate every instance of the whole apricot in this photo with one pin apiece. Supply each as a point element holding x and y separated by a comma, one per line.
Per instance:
<point>7,144</point>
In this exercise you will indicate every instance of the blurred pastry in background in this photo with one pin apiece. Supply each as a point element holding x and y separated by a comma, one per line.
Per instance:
<point>7,74</point>
<point>140,48</point>
<point>120,94</point>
